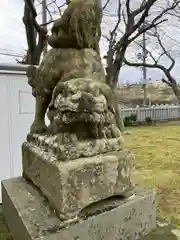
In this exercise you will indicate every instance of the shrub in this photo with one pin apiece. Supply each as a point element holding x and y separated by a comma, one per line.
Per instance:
<point>127,121</point>
<point>133,118</point>
<point>130,120</point>
<point>148,120</point>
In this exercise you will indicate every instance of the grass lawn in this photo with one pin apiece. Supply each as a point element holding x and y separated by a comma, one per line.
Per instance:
<point>157,165</point>
<point>157,151</point>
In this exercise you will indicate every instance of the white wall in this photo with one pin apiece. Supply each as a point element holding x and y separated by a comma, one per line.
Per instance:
<point>16,115</point>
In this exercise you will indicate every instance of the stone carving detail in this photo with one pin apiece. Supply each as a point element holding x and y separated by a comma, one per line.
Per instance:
<point>63,159</point>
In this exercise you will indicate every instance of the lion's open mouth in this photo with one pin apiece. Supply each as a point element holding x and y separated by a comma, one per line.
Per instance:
<point>84,124</point>
<point>79,106</point>
<point>81,102</point>
<point>71,117</point>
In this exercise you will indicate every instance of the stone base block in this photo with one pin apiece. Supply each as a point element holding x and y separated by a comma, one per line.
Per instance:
<point>70,186</point>
<point>29,217</point>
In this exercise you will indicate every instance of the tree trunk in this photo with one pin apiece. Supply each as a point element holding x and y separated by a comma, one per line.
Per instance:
<point>176,91</point>
<point>34,49</point>
<point>120,53</point>
<point>112,76</point>
<point>173,84</point>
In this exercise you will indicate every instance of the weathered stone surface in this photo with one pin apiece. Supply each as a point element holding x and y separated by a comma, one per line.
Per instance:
<point>79,26</point>
<point>58,67</point>
<point>162,232</point>
<point>29,217</point>
<point>66,147</point>
<point>85,107</point>
<point>72,185</point>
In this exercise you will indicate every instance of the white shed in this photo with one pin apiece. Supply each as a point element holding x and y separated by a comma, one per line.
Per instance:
<point>16,115</point>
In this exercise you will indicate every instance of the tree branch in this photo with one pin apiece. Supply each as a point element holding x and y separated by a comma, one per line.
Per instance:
<point>128,10</point>
<point>145,5</point>
<point>119,18</point>
<point>165,52</point>
<point>170,80</point>
<point>149,52</point>
<point>33,14</point>
<point>167,82</point>
<point>47,23</point>
<point>31,6</point>
<point>32,28</point>
<point>60,7</point>
<point>145,29</point>
<point>105,5</point>
<point>155,22</point>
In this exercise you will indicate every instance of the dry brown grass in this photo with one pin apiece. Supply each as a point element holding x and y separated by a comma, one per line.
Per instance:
<point>134,95</point>
<point>157,151</point>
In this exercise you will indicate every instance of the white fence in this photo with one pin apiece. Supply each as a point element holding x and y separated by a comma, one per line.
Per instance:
<point>156,113</point>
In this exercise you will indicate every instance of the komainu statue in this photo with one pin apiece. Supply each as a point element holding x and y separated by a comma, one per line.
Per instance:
<point>75,54</point>
<point>73,69</point>
<point>78,159</point>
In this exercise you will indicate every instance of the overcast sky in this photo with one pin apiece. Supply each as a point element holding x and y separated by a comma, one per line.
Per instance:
<point>13,40</point>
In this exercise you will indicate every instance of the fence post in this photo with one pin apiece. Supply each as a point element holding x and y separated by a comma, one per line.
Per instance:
<point>138,113</point>
<point>153,112</point>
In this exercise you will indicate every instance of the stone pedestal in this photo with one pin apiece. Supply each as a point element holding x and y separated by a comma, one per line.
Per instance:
<point>72,185</point>
<point>29,217</point>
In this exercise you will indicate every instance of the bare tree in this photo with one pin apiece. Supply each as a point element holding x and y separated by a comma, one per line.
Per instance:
<point>36,33</point>
<point>157,63</point>
<point>33,30</point>
<point>134,27</point>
